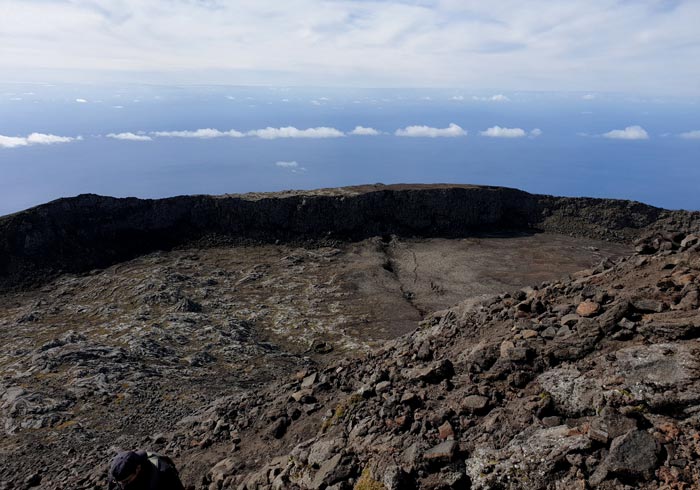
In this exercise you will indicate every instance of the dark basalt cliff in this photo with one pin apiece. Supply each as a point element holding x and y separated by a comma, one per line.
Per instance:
<point>89,231</point>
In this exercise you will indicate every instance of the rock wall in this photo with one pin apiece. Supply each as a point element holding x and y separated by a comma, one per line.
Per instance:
<point>89,231</point>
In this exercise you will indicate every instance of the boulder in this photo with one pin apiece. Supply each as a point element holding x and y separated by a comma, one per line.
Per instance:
<point>527,461</point>
<point>309,381</point>
<point>507,347</point>
<point>570,320</point>
<point>573,394</point>
<point>332,471</point>
<point>382,387</point>
<point>446,431</point>
<point>647,305</point>
<point>588,309</point>
<point>322,451</point>
<point>442,453</point>
<point>609,425</point>
<point>672,328</point>
<point>634,454</point>
<point>222,469</point>
<point>303,396</point>
<point>475,404</point>
<point>436,372</point>
<point>689,241</point>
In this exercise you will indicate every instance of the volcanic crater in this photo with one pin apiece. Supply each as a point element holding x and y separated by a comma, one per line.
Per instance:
<point>408,336</point>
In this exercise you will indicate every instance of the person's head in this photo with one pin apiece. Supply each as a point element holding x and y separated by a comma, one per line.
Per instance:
<point>125,468</point>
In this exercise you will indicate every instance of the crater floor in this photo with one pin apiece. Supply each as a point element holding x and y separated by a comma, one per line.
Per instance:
<point>106,358</point>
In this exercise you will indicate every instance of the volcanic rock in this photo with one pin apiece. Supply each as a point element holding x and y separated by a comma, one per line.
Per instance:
<point>474,403</point>
<point>205,307</point>
<point>443,452</point>
<point>634,454</point>
<point>587,309</point>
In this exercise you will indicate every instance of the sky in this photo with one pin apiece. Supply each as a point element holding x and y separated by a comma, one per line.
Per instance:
<point>632,46</point>
<point>155,98</point>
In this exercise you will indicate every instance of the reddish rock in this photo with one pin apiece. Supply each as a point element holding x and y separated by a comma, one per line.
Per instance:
<point>588,309</point>
<point>684,279</point>
<point>667,432</point>
<point>446,431</point>
<point>402,421</point>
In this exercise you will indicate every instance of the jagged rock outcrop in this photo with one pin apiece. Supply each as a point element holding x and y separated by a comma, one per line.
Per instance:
<point>520,391</point>
<point>86,232</point>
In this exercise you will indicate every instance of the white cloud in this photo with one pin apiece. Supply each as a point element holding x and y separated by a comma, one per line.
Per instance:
<point>691,135</point>
<point>588,97</point>
<point>499,98</point>
<point>536,45</point>
<point>629,133</point>
<point>129,136</point>
<point>206,133</point>
<point>292,132</point>
<point>292,166</point>
<point>35,139</point>
<point>536,132</point>
<point>363,131</point>
<point>49,139</point>
<point>457,97</point>
<point>81,101</point>
<point>493,98</point>
<point>499,132</point>
<point>451,131</point>
<point>12,141</point>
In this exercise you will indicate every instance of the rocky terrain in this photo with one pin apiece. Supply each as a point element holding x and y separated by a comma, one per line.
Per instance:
<point>367,362</point>
<point>87,232</point>
<point>587,383</point>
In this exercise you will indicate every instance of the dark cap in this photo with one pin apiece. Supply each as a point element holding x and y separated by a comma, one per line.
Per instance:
<point>124,465</point>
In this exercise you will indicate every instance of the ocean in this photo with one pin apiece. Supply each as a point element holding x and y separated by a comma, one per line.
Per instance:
<point>571,144</point>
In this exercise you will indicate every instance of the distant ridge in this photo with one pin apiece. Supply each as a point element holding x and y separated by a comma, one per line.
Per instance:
<point>89,231</point>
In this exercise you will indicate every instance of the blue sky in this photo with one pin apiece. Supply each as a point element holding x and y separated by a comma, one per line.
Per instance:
<point>643,46</point>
